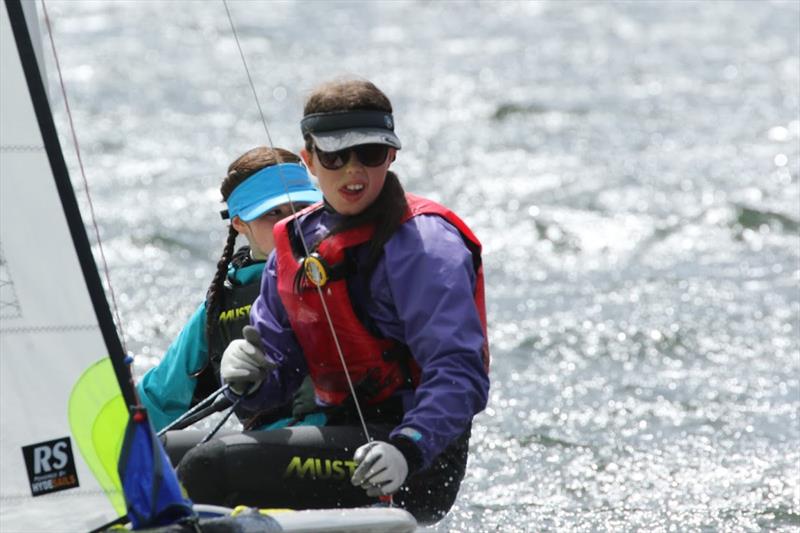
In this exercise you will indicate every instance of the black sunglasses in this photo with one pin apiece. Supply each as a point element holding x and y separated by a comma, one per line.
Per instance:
<point>370,155</point>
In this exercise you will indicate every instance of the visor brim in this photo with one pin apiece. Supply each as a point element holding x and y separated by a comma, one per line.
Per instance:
<point>333,141</point>
<point>304,197</point>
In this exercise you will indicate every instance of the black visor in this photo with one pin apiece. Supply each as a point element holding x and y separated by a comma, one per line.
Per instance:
<point>343,129</point>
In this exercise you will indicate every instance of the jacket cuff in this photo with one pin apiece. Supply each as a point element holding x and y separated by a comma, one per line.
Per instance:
<point>411,453</point>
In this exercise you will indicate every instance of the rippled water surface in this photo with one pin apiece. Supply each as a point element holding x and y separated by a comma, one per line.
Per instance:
<point>631,167</point>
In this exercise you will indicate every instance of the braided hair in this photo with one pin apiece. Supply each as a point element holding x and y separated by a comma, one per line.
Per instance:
<point>245,166</point>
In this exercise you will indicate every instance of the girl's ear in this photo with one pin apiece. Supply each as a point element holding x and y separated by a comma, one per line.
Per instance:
<point>239,225</point>
<point>308,159</point>
<point>392,154</point>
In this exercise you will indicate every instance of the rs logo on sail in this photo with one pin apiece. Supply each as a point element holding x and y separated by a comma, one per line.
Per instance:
<point>47,458</point>
<point>318,468</point>
<point>51,466</point>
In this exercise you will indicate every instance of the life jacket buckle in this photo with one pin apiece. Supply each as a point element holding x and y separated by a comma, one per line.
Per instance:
<point>316,270</point>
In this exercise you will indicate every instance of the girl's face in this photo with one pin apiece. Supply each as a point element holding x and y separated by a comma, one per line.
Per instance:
<point>353,187</point>
<point>259,231</point>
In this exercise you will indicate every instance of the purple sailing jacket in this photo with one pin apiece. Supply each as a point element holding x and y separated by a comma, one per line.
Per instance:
<point>421,293</point>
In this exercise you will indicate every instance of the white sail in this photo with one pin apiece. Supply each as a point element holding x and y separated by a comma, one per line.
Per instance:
<point>50,332</point>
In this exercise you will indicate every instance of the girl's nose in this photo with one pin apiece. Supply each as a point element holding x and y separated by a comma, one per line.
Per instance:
<point>353,163</point>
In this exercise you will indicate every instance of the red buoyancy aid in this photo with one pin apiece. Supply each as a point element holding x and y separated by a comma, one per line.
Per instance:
<point>368,357</point>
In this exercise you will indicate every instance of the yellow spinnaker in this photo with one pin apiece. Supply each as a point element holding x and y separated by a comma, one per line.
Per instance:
<point>98,417</point>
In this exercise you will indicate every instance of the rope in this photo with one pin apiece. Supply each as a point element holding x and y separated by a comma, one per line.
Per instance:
<point>85,181</point>
<point>302,238</point>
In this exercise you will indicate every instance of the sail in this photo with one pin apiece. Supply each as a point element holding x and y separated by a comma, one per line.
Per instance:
<point>56,328</point>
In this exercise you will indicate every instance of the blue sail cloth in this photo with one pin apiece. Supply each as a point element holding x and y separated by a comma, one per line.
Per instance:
<point>152,492</point>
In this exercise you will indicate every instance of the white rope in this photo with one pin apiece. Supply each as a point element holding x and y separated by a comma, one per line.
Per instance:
<point>85,181</point>
<point>302,237</point>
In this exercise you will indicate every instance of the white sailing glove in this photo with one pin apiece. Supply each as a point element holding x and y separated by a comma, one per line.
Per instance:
<point>244,364</point>
<point>381,468</point>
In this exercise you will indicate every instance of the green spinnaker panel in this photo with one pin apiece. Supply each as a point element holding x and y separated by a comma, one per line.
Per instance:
<point>98,417</point>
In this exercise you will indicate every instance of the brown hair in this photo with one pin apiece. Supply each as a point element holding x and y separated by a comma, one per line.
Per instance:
<point>347,95</point>
<point>387,211</point>
<point>242,168</point>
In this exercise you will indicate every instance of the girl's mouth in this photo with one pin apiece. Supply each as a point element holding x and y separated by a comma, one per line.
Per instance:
<point>353,190</point>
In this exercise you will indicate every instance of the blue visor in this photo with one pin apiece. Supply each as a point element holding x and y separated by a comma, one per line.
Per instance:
<point>271,187</point>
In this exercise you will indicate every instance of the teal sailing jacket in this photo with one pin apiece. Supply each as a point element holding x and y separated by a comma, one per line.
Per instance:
<point>166,390</point>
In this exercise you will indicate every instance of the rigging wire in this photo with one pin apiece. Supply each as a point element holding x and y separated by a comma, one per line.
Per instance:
<point>85,181</point>
<point>300,232</point>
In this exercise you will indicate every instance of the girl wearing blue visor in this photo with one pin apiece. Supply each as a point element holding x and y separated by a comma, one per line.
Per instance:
<point>401,278</point>
<point>257,189</point>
